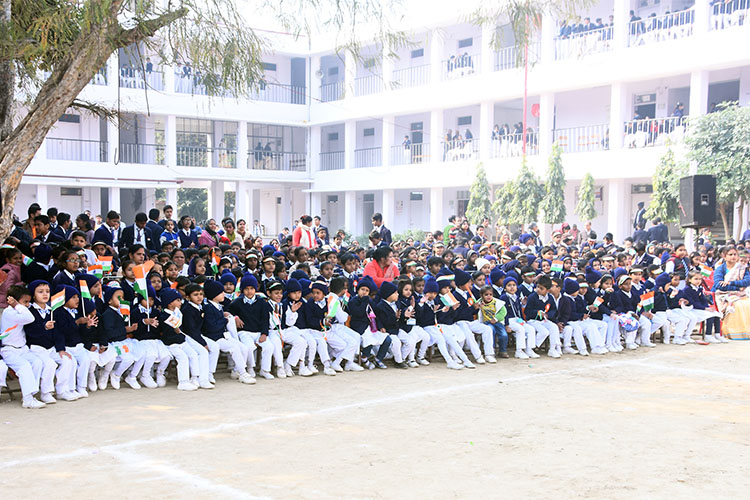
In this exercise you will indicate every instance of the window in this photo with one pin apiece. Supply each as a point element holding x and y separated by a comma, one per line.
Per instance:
<point>370,63</point>
<point>416,196</point>
<point>417,53</point>
<point>464,120</point>
<point>70,118</point>
<point>416,126</point>
<point>369,132</point>
<point>466,42</point>
<point>269,66</point>
<point>368,197</point>
<point>641,189</point>
<point>70,191</point>
<point>281,138</point>
<point>333,136</point>
<point>333,198</point>
<point>333,71</point>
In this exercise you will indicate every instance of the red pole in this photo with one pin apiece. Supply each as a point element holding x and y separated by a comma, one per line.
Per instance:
<point>525,90</point>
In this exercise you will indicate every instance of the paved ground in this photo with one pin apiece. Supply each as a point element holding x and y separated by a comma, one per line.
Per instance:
<point>671,422</point>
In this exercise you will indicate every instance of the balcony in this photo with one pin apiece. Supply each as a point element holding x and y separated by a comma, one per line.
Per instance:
<point>333,160</point>
<point>727,16</point>
<point>367,157</point>
<point>582,139</point>
<point>200,156</point>
<point>414,76</point>
<point>133,78</point>
<point>460,66</point>
<point>332,91</point>
<point>187,83</point>
<point>276,92</point>
<point>411,154</point>
<point>661,28</point>
<point>584,43</point>
<point>144,154</point>
<point>460,149</point>
<point>507,57</point>
<point>366,85</point>
<point>76,150</point>
<point>277,160</point>
<point>655,132</point>
<point>511,145</point>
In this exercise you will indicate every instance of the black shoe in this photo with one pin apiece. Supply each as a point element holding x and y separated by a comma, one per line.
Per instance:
<point>401,365</point>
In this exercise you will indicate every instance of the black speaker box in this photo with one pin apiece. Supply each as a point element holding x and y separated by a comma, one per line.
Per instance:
<point>697,201</point>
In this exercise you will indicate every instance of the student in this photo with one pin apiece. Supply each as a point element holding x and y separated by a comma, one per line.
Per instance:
<point>625,302</point>
<point>69,321</point>
<point>252,317</point>
<point>696,304</point>
<point>275,292</point>
<point>514,322</point>
<point>465,319</point>
<point>192,328</point>
<point>170,321</point>
<point>350,338</point>
<point>388,315</point>
<point>147,334</point>
<point>683,322</point>
<point>426,318</point>
<point>14,351</point>
<point>114,334</point>
<point>294,308</point>
<point>571,317</point>
<point>594,328</point>
<point>169,234</point>
<point>492,312</point>
<point>526,288</point>
<point>407,305</point>
<point>48,344</point>
<point>540,308</point>
<point>362,313</point>
<point>446,318</point>
<point>319,325</point>
<point>217,332</point>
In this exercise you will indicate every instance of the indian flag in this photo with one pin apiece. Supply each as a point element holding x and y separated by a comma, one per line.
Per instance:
<point>647,301</point>
<point>140,272</point>
<point>58,300</point>
<point>96,270</point>
<point>106,263</point>
<point>333,305</point>
<point>215,262</point>
<point>7,332</point>
<point>557,266</point>
<point>706,271</point>
<point>125,308</point>
<point>27,260</point>
<point>448,299</point>
<point>598,301</point>
<point>85,293</point>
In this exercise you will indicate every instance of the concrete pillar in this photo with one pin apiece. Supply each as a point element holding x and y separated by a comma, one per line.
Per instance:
<point>216,200</point>
<point>621,15</point>
<point>250,197</point>
<point>702,17</point>
<point>436,56</point>
<point>549,30</point>
<point>617,115</point>
<point>436,135</point>
<point>313,80</point>
<point>486,119</point>
<point>488,50</point>
<point>242,145</point>
<point>113,72</point>
<point>350,212</point>
<point>436,208</point>
<point>169,78</point>
<point>744,97</point>
<point>617,214</point>
<point>113,142</point>
<point>316,203</point>
<point>350,143</point>
<point>698,93</point>
<point>286,207</point>
<point>314,146</point>
<point>41,197</point>
<point>172,198</point>
<point>114,199</point>
<point>388,139</point>
<point>171,138</point>
<point>350,74</point>
<point>241,207</point>
<point>389,204</point>
<point>546,124</point>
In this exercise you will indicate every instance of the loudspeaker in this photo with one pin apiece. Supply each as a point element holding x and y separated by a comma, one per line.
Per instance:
<point>697,201</point>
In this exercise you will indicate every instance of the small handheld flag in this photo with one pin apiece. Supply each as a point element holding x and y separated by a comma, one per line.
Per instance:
<point>106,263</point>
<point>175,319</point>
<point>557,266</point>
<point>215,262</point>
<point>27,261</point>
<point>140,272</point>
<point>58,300</point>
<point>647,301</point>
<point>706,271</point>
<point>85,292</point>
<point>448,299</point>
<point>333,305</point>
<point>125,308</point>
<point>96,270</point>
<point>598,302</point>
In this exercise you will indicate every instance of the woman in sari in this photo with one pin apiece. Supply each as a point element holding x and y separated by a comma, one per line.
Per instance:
<point>731,282</point>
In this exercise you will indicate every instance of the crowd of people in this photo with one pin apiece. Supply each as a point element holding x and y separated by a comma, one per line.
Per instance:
<point>110,304</point>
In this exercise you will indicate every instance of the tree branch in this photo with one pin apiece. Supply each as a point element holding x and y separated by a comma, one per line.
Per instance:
<point>148,28</point>
<point>94,108</point>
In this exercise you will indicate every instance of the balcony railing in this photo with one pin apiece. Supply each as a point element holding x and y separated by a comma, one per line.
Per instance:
<point>511,145</point>
<point>367,157</point>
<point>276,92</point>
<point>365,85</point>
<point>414,76</point>
<point>460,65</point>
<point>332,91</point>
<point>133,78</point>
<point>506,58</point>
<point>76,150</point>
<point>100,78</point>
<point>333,160</point>
<point>584,43</point>
<point>144,154</point>
<point>731,15</point>
<point>188,84</point>
<point>200,156</point>
<point>277,160</point>
<point>461,149</point>
<point>413,153</point>
<point>581,139</point>
<point>655,131</point>
<point>661,28</point>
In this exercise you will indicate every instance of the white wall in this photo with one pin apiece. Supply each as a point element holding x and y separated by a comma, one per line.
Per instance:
<point>372,141</point>
<point>451,116</point>
<point>582,107</point>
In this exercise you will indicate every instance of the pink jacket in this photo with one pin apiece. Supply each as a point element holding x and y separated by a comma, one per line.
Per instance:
<point>13,278</point>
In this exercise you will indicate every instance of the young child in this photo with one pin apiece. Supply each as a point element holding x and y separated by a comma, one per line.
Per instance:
<point>624,301</point>
<point>408,323</point>
<point>252,316</point>
<point>114,334</point>
<point>388,314</point>
<point>294,308</point>
<point>169,234</point>
<point>569,316</point>
<point>170,321</point>
<point>319,325</point>
<point>69,321</point>
<point>492,312</point>
<point>683,322</point>
<point>280,329</point>
<point>192,328</point>
<point>14,351</point>
<point>146,317</point>
<point>514,321</point>
<point>540,308</point>
<point>362,313</point>
<point>446,319</point>
<point>695,303</point>
<point>427,319</point>
<point>48,344</point>
<point>465,319</point>
<point>351,339</point>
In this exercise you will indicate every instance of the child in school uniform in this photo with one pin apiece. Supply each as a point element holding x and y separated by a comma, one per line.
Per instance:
<point>695,304</point>
<point>275,291</point>
<point>492,312</point>
<point>338,290</point>
<point>427,319</point>
<point>540,308</point>
<point>48,344</point>
<point>361,309</point>
<point>114,334</point>
<point>465,319</point>
<point>147,334</point>
<point>407,304</point>
<point>594,329</point>
<point>446,318</point>
<point>294,311</point>
<point>69,321</point>
<point>14,351</point>
<point>388,314</point>
<point>625,302</point>
<point>683,322</point>
<point>319,325</point>
<point>526,287</point>
<point>192,328</point>
<point>170,322</point>
<point>569,316</point>
<point>251,314</point>
<point>514,321</point>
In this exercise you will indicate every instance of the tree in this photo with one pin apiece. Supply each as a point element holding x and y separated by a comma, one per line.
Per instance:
<point>586,209</point>
<point>479,205</point>
<point>505,197</point>
<point>193,202</point>
<point>553,203</point>
<point>528,195</point>
<point>717,142</point>
<point>665,202</point>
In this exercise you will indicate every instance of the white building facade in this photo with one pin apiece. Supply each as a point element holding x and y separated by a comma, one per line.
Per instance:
<point>325,134</point>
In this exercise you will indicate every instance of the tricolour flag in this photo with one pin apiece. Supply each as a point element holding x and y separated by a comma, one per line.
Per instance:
<point>27,260</point>
<point>598,301</point>
<point>647,301</point>
<point>557,266</point>
<point>215,262</point>
<point>448,299</point>
<point>706,271</point>
<point>333,305</point>
<point>140,272</point>
<point>58,300</point>
<point>7,331</point>
<point>85,292</point>
<point>125,308</point>
<point>106,263</point>
<point>96,270</point>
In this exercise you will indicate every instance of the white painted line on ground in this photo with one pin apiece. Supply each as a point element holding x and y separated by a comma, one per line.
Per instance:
<point>695,371</point>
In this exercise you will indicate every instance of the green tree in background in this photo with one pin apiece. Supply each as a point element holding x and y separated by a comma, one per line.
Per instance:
<point>665,202</point>
<point>528,196</point>
<point>193,202</point>
<point>553,202</point>
<point>586,209</point>
<point>505,197</point>
<point>479,205</point>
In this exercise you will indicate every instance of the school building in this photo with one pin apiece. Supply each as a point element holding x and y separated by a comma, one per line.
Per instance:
<point>331,135</point>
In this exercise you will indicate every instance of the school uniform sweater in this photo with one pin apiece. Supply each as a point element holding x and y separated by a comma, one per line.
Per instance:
<point>37,334</point>
<point>112,326</point>
<point>465,312</point>
<point>622,302</point>
<point>695,297</point>
<point>168,335</point>
<point>214,322</point>
<point>385,315</point>
<point>660,301</point>
<point>536,304</point>
<point>513,306</point>
<point>673,296</point>
<point>192,322</point>
<point>66,323</point>
<point>403,304</point>
<point>300,322</point>
<point>144,331</point>
<point>445,317</point>
<point>426,314</point>
<point>358,313</point>
<point>603,308</point>
<point>525,290</point>
<point>315,314</point>
<point>63,277</point>
<point>254,314</point>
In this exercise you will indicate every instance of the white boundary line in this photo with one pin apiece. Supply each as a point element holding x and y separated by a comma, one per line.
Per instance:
<point>694,371</point>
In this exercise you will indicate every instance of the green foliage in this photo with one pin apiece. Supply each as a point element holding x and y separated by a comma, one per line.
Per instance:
<point>586,209</point>
<point>193,202</point>
<point>529,193</point>
<point>479,205</point>
<point>416,234</point>
<point>505,197</point>
<point>553,203</point>
<point>665,202</point>
<point>230,198</point>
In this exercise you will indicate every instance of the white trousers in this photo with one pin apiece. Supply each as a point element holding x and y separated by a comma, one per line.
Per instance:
<point>62,367</point>
<point>346,341</point>
<point>423,339</point>
<point>681,324</point>
<point>186,358</point>
<point>141,356</point>
<point>199,369</point>
<point>156,354</point>
<point>83,361</point>
<point>573,330</point>
<point>321,346</point>
<point>293,336</point>
<point>644,331</point>
<point>545,329</point>
<point>438,338</point>
<point>660,321</point>
<point>477,327</point>
<point>595,331</point>
<point>123,360</point>
<point>613,332</point>
<point>27,366</point>
<point>454,337</point>
<point>229,345</point>
<point>524,333</point>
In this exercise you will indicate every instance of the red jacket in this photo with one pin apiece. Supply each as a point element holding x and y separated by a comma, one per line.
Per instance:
<point>378,274</point>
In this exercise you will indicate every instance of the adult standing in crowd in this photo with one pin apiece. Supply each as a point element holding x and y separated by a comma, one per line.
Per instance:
<point>385,233</point>
<point>304,235</point>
